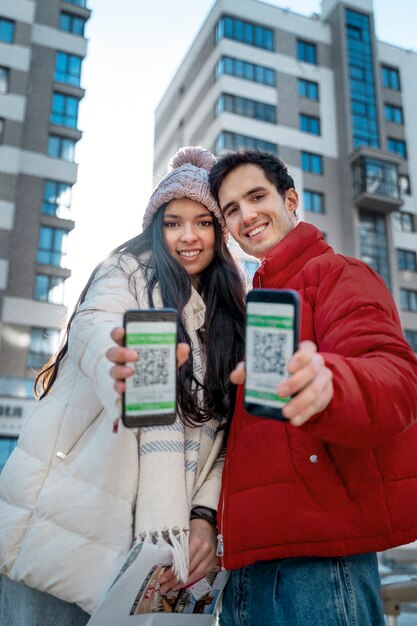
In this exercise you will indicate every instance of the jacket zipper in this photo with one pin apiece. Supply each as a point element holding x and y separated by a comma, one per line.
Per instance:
<point>220,536</point>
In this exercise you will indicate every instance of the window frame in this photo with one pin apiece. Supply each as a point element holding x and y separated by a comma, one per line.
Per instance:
<point>65,145</point>
<point>406,260</point>
<point>306,50</point>
<point>72,18</point>
<point>64,71</point>
<point>388,72</point>
<point>6,82</point>
<point>4,21</point>
<point>310,124</point>
<point>55,253</point>
<point>410,335</point>
<point>393,143</point>
<point>37,358</point>
<point>64,110</point>
<point>408,299</point>
<point>46,293</point>
<point>316,203</point>
<point>389,113</point>
<point>312,157</point>
<point>309,85</point>
<point>53,190</point>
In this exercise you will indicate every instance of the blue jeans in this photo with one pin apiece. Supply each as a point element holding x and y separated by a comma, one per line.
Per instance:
<point>21,605</point>
<point>305,592</point>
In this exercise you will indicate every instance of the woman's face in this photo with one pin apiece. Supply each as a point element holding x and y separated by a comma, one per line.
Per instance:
<point>189,235</point>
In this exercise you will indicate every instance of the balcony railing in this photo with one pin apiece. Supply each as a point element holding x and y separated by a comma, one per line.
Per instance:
<point>376,183</point>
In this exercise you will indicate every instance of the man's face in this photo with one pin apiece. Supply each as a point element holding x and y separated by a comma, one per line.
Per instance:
<point>256,215</point>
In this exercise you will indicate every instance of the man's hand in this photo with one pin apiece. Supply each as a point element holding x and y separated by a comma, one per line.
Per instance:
<point>309,378</point>
<point>202,547</point>
<point>119,355</point>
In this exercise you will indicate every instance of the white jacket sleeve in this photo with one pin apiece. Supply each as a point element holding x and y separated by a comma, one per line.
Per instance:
<point>109,296</point>
<point>209,492</point>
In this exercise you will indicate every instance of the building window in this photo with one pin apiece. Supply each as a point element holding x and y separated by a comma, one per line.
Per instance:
<point>311,162</point>
<point>407,260</point>
<point>375,177</point>
<point>408,299</point>
<point>6,30</point>
<point>4,79</point>
<point>411,337</point>
<point>403,222</point>
<point>398,146</point>
<point>308,89</point>
<point>43,344</point>
<point>245,32</point>
<point>49,289</point>
<point>313,201</point>
<point>361,80</point>
<point>248,71</point>
<point>309,124</point>
<point>61,148</point>
<point>52,246</point>
<point>390,78</point>
<point>67,68</point>
<point>64,110</point>
<point>233,141</point>
<point>306,51</point>
<point>393,114</point>
<point>243,106</point>
<point>56,199</point>
<point>373,243</point>
<point>7,445</point>
<point>71,23</point>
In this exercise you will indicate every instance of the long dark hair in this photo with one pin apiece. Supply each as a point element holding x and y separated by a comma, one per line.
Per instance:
<point>222,289</point>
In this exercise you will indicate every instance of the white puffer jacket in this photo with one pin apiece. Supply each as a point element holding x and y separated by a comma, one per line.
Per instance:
<point>68,491</point>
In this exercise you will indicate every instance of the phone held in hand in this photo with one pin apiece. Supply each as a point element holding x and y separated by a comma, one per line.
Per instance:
<point>150,396</point>
<point>272,327</point>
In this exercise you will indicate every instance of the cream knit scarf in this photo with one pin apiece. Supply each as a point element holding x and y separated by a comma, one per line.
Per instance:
<point>173,461</point>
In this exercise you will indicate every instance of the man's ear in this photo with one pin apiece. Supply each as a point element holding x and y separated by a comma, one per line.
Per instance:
<point>291,200</point>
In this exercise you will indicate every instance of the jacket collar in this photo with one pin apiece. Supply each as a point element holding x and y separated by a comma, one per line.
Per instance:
<point>290,255</point>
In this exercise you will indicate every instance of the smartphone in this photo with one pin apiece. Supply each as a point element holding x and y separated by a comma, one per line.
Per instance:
<point>151,393</point>
<point>272,336</point>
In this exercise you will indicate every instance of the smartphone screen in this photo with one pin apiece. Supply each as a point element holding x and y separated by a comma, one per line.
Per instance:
<point>271,339</point>
<point>150,396</point>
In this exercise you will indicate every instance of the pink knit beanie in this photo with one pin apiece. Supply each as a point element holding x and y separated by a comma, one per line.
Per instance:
<point>187,178</point>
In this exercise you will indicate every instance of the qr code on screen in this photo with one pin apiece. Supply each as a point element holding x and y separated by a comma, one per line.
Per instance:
<point>269,353</point>
<point>151,368</point>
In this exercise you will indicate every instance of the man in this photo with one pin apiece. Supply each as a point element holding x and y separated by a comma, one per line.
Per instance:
<point>305,504</point>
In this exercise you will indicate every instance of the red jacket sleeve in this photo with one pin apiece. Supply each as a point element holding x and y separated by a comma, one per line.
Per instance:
<point>358,332</point>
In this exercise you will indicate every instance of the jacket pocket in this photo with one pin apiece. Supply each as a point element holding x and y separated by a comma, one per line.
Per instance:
<point>65,455</point>
<point>316,469</point>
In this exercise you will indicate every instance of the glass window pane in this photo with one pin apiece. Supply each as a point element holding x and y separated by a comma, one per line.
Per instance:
<point>4,79</point>
<point>6,30</point>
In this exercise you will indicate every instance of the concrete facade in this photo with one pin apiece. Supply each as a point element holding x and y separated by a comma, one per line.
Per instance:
<point>41,56</point>
<point>367,134</point>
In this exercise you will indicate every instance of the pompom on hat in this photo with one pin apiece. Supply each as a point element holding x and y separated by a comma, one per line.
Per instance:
<point>187,178</point>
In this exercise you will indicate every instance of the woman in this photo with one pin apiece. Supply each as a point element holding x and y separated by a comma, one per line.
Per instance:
<point>75,494</point>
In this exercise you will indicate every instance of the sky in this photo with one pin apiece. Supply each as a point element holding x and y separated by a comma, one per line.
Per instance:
<point>134,50</point>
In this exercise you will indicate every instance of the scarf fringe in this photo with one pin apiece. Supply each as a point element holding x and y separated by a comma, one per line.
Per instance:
<point>177,542</point>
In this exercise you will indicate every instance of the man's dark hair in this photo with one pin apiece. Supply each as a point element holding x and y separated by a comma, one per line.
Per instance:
<point>274,169</point>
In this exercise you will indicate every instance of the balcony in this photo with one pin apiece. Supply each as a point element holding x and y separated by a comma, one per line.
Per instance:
<point>375,181</point>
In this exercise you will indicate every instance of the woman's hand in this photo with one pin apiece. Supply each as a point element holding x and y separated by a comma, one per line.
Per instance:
<point>202,547</point>
<point>119,355</point>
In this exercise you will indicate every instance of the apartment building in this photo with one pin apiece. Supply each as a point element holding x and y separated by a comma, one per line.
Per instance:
<point>337,105</point>
<point>42,47</point>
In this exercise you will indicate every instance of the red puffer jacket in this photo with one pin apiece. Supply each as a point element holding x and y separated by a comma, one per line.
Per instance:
<point>345,482</point>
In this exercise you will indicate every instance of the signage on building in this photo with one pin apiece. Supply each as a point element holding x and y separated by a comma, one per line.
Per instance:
<point>13,412</point>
